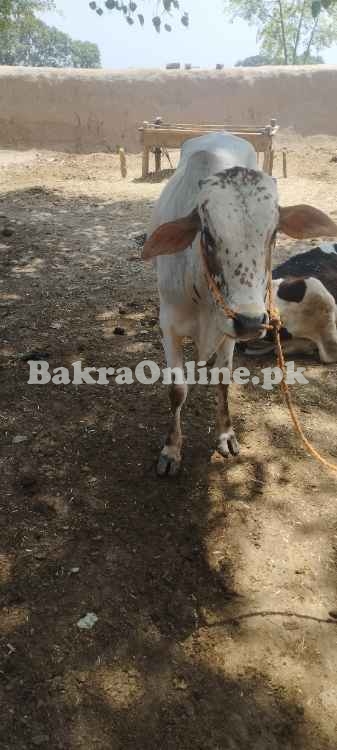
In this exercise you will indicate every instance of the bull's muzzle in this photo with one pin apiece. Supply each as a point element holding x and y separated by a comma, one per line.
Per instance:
<point>250,326</point>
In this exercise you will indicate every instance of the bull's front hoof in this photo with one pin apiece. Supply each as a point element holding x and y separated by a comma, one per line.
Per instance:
<point>169,462</point>
<point>227,444</point>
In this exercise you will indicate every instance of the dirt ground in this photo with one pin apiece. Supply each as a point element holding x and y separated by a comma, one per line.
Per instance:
<point>212,590</point>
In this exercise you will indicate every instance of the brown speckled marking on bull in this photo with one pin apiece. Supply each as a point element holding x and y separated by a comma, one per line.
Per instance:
<point>244,281</point>
<point>248,176</point>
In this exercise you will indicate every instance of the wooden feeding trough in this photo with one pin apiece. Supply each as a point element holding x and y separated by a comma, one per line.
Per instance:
<point>157,137</point>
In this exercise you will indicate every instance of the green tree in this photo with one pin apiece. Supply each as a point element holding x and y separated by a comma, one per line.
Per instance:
<point>253,62</point>
<point>29,41</point>
<point>85,55</point>
<point>288,34</point>
<point>133,12</point>
<point>256,61</point>
<point>12,10</point>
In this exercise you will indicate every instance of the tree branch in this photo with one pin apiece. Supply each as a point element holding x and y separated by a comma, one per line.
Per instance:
<point>284,42</point>
<point>298,34</point>
<point>313,31</point>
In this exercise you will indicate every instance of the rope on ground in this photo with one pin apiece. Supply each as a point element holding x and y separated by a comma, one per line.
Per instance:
<point>297,425</point>
<point>275,325</point>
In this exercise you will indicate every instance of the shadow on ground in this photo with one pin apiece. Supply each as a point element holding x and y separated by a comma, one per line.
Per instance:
<point>87,527</point>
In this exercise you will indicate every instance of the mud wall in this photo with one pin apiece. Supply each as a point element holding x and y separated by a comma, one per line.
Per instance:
<point>80,110</point>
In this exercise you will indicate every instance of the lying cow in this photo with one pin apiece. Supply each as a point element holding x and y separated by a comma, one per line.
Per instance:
<point>305,294</point>
<point>217,196</point>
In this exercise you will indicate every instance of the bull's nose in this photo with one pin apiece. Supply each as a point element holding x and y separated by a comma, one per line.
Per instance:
<point>249,326</point>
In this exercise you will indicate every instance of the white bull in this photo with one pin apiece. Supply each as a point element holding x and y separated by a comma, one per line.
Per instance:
<point>216,191</point>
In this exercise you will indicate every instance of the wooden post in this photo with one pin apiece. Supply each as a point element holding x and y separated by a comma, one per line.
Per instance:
<point>271,164</point>
<point>145,161</point>
<point>122,162</point>
<point>146,154</point>
<point>266,161</point>
<point>284,160</point>
<point>157,151</point>
<point>157,159</point>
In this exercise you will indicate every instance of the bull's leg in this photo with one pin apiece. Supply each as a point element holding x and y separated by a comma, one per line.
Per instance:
<point>326,337</point>
<point>170,456</point>
<point>327,348</point>
<point>226,441</point>
<point>225,436</point>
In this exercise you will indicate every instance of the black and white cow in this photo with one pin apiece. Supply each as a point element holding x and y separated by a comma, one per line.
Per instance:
<point>305,294</point>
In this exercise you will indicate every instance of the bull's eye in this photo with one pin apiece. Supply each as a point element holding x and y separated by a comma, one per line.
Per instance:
<point>209,239</point>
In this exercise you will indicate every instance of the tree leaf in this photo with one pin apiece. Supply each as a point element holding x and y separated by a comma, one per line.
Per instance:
<point>157,23</point>
<point>92,5</point>
<point>167,27</point>
<point>110,4</point>
<point>185,19</point>
<point>141,19</point>
<point>167,5</point>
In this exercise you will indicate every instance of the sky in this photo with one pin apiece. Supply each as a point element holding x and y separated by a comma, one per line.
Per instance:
<point>210,38</point>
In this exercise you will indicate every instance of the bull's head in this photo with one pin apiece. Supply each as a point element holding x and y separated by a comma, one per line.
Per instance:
<point>238,215</point>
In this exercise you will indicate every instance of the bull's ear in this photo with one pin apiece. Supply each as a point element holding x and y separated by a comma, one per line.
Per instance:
<point>303,222</point>
<point>172,237</point>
